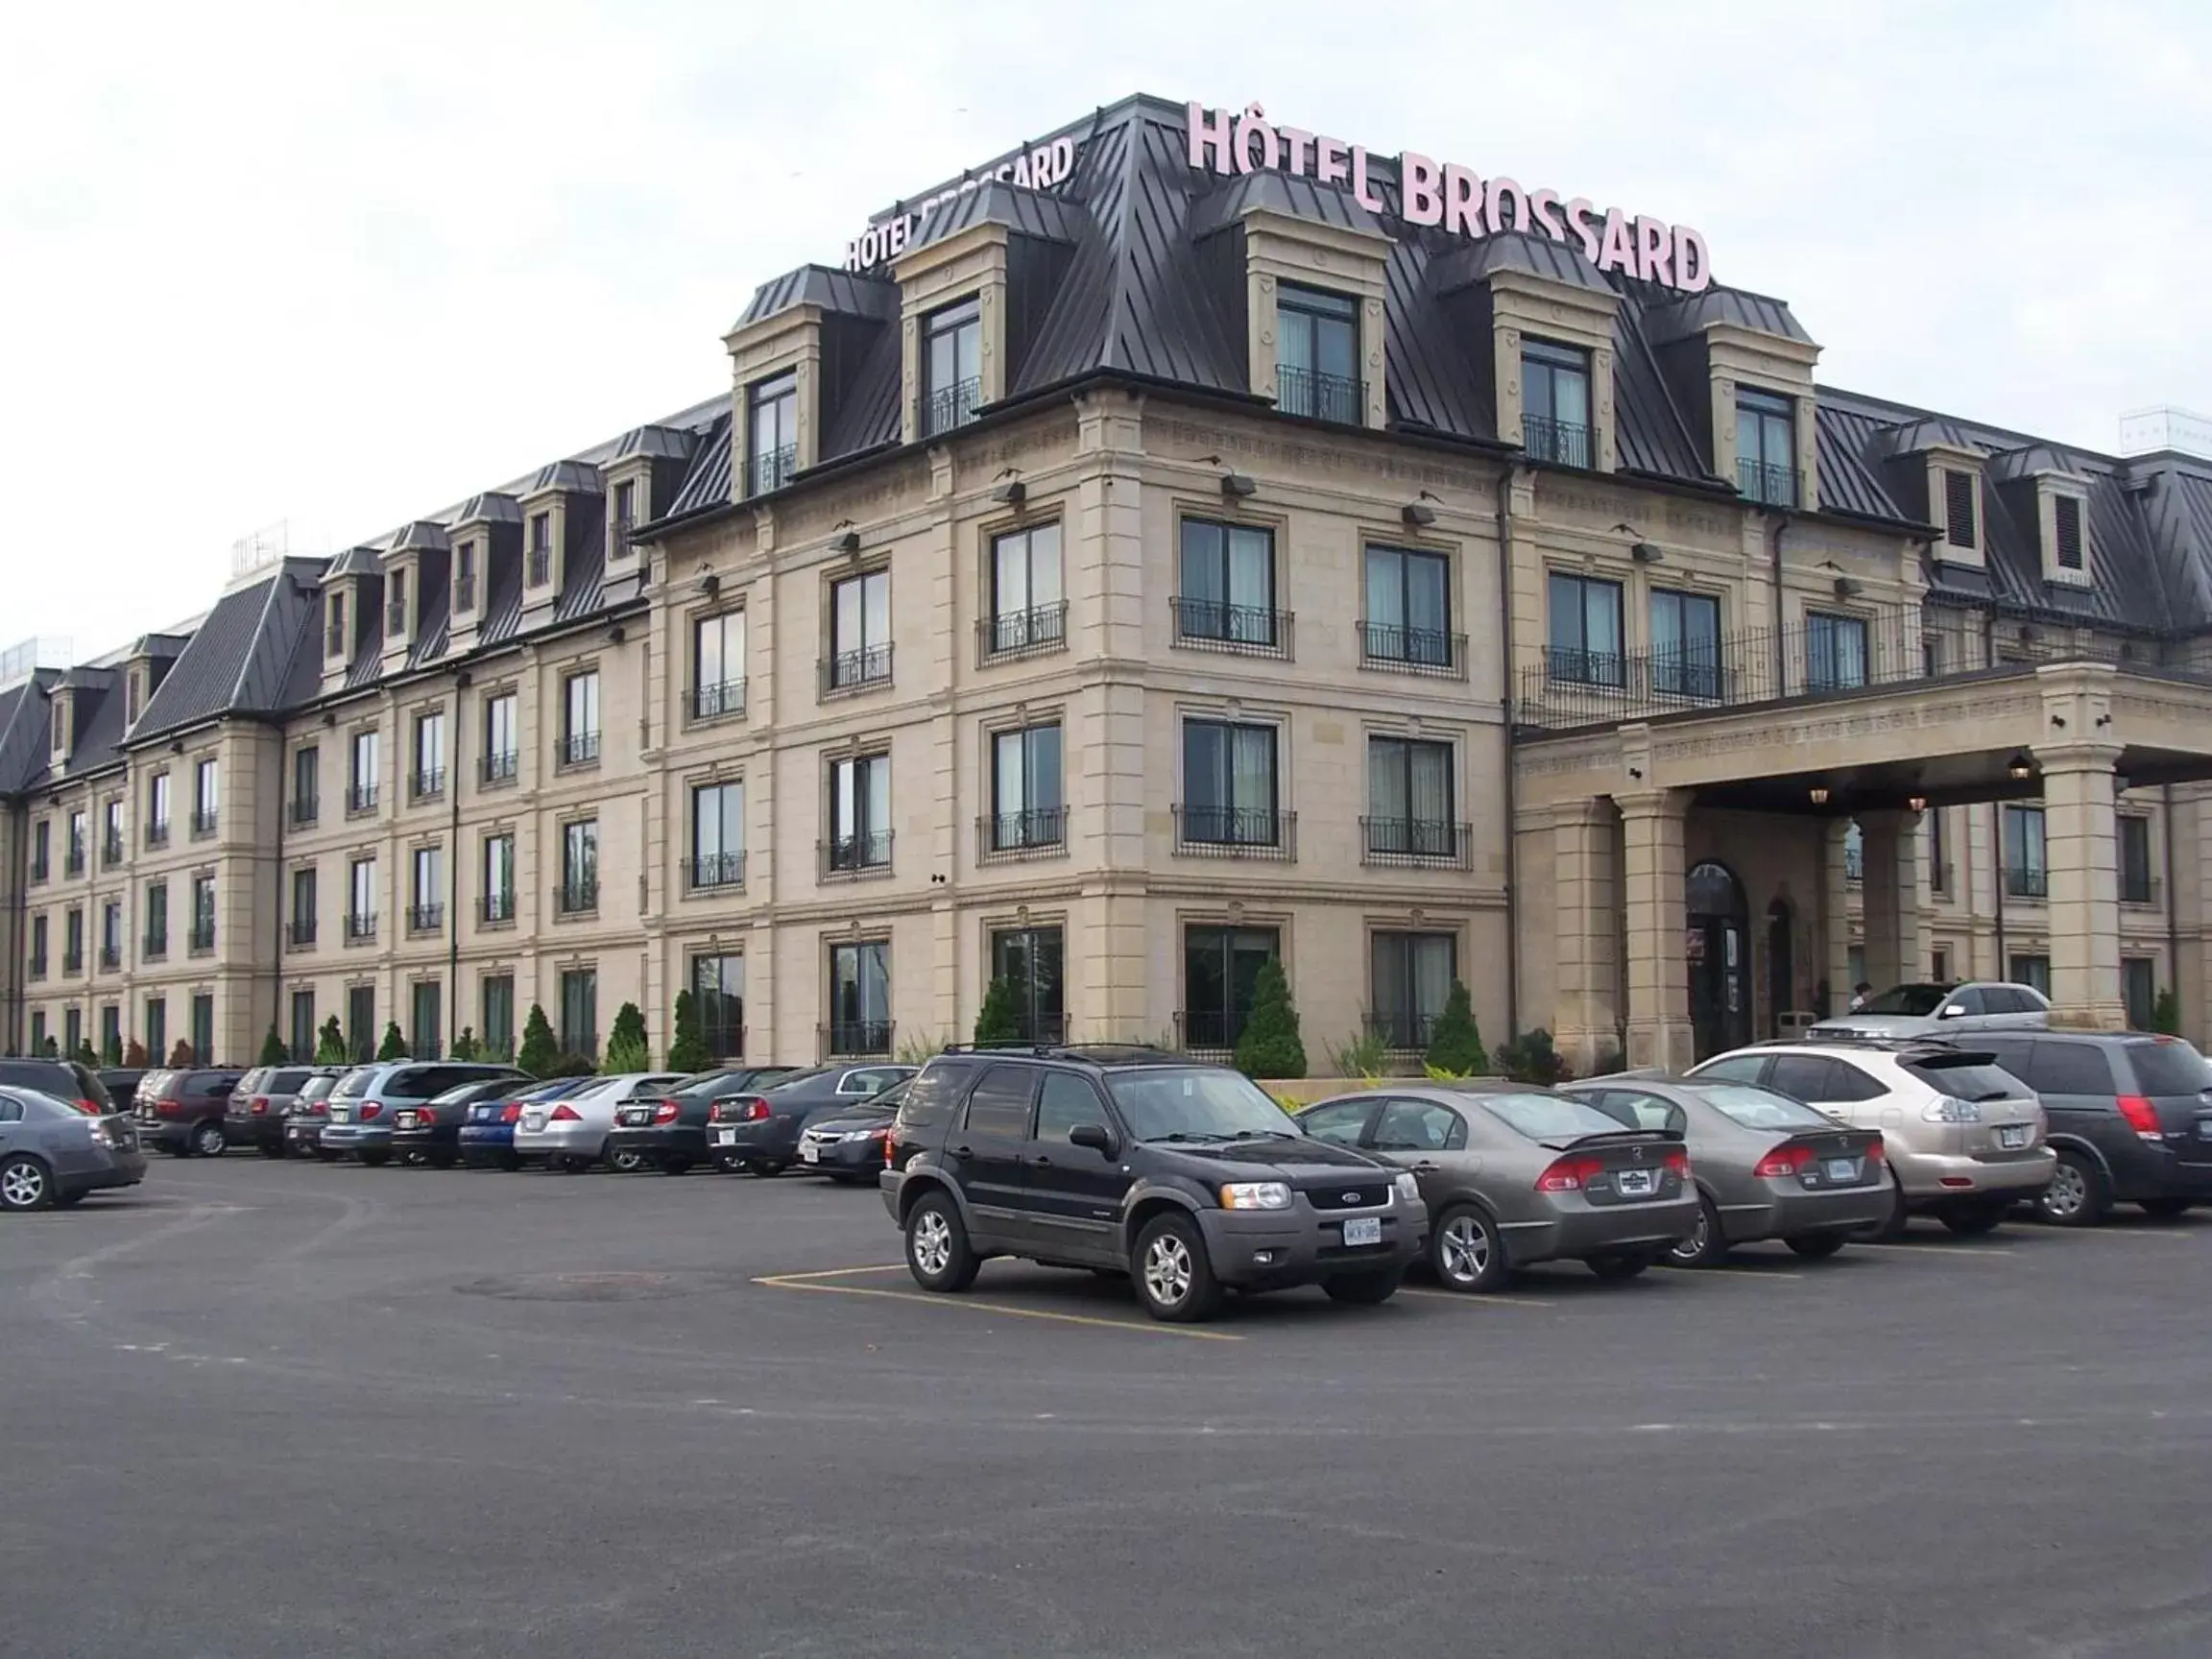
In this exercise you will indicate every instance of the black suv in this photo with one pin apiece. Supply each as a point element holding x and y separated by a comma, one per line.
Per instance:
<point>1184,1176</point>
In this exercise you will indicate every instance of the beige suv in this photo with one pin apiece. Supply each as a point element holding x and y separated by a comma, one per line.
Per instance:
<point>1963,1138</point>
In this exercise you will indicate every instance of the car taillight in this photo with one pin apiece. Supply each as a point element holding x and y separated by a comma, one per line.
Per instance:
<point>375,1109</point>
<point>91,1111</point>
<point>566,1114</point>
<point>665,1112</point>
<point>425,1116</point>
<point>2142,1117</point>
<point>753,1111</point>
<point>1569,1174</point>
<point>1784,1161</point>
<point>511,1112</point>
<point>1677,1161</point>
<point>261,1106</point>
<point>888,1155</point>
<point>164,1108</point>
<point>1876,1150</point>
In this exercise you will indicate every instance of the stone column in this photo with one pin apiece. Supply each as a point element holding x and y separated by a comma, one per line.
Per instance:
<point>1654,878</point>
<point>1585,1021</point>
<point>2081,847</point>
<point>1835,921</point>
<point>1892,897</point>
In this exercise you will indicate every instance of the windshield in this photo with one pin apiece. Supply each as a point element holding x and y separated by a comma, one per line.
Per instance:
<point>1762,1108</point>
<point>355,1083</point>
<point>1548,1117</point>
<point>2169,1066</point>
<point>1920,1001</point>
<point>1194,1103</point>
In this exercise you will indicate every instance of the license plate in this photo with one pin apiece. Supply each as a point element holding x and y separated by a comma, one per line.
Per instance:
<point>533,1121</point>
<point>725,1137</point>
<point>1637,1183</point>
<point>340,1114</point>
<point>406,1120</point>
<point>1367,1230</point>
<point>2013,1135</point>
<point>809,1153</point>
<point>1843,1169</point>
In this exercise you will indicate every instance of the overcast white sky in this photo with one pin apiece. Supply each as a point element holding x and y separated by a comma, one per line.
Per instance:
<point>341,266</point>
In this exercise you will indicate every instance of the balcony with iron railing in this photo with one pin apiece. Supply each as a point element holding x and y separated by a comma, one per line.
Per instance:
<point>856,670</point>
<point>426,784</point>
<point>360,927</point>
<point>1209,1033</point>
<point>1939,878</point>
<point>951,406</point>
<point>155,948</point>
<point>1416,843</point>
<point>770,470</point>
<point>157,833</point>
<point>305,809</point>
<point>38,968</point>
<point>1014,633</point>
<point>1313,396</point>
<point>299,932</point>
<point>495,910</point>
<point>1032,833</point>
<point>2027,882</point>
<point>1245,630</point>
<point>1768,485</point>
<point>1235,833</point>
<point>856,1039</point>
<point>716,872</point>
<point>73,961</point>
<point>110,959</point>
<point>465,592</point>
<point>425,918</point>
<point>202,938</point>
<point>73,862</point>
<point>203,820</point>
<point>620,538</point>
<point>848,857</point>
<point>39,871</point>
<point>360,800</point>
<point>1397,649</point>
<point>1400,1030</point>
<point>111,851</point>
<point>577,896</point>
<point>1561,442</point>
<point>576,749</point>
<point>724,699</point>
<point>499,767</point>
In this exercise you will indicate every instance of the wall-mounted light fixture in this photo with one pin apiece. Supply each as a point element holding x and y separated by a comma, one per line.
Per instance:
<point>849,543</point>
<point>1418,515</point>
<point>1849,587</point>
<point>1644,553</point>
<point>1236,484</point>
<point>1818,794</point>
<point>1918,803</point>
<point>2020,768</point>
<point>710,584</point>
<point>615,636</point>
<point>1011,494</point>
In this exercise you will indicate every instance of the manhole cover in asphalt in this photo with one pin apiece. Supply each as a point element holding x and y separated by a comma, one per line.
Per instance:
<point>579,1288</point>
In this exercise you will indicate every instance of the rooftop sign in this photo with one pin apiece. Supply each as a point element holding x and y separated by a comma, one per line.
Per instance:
<point>886,238</point>
<point>1455,198</point>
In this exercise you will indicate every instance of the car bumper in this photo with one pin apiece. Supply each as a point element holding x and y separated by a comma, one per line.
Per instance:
<point>565,1139</point>
<point>487,1140</point>
<point>356,1138</point>
<point>1264,1249</point>
<point>843,1157</point>
<point>303,1136</point>
<point>2160,1173</point>
<point>1593,1230</point>
<point>1935,1177</point>
<point>770,1143</point>
<point>122,1169</point>
<point>684,1140</point>
<point>423,1140</point>
<point>254,1131</point>
<point>1793,1214</point>
<point>164,1133</point>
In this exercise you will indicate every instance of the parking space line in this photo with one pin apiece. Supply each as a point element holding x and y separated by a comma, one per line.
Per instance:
<point>1476,1301</point>
<point>1932,1250</point>
<point>1740,1276</point>
<point>833,1273</point>
<point>799,1281</point>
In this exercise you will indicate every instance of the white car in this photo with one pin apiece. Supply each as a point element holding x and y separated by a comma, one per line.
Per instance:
<point>571,1133</point>
<point>1942,1011</point>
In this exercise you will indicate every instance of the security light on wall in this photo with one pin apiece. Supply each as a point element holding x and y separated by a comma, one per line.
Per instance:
<point>849,543</point>
<point>1011,494</point>
<point>1644,553</point>
<point>1418,515</point>
<point>710,584</point>
<point>1847,588</point>
<point>1918,803</point>
<point>1239,484</point>
<point>2020,768</point>
<point>1818,794</point>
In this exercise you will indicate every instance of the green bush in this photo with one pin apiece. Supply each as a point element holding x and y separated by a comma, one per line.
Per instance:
<point>273,1050</point>
<point>394,1046</point>
<point>541,1054</point>
<point>330,1044</point>
<point>134,1055</point>
<point>179,1056</point>
<point>996,1024</point>
<point>573,1066</point>
<point>627,1050</point>
<point>466,1047</point>
<point>919,1050</point>
<point>689,1052</point>
<point>1531,1058</point>
<point>1270,1046</point>
<point>1609,1062</point>
<point>86,1055</point>
<point>2166,1013</point>
<point>112,1049</point>
<point>1362,1054</point>
<point>1456,1045</point>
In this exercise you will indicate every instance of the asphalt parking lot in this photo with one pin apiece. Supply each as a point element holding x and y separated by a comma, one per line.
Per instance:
<point>290,1409</point>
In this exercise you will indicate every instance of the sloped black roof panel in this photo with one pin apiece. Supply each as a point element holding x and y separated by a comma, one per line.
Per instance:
<point>1432,379</point>
<point>1022,211</point>
<point>1674,319</point>
<point>1650,432</point>
<point>1847,441</point>
<point>851,292</point>
<point>1517,251</point>
<point>239,654</point>
<point>707,483</point>
<point>867,416</point>
<point>1284,193</point>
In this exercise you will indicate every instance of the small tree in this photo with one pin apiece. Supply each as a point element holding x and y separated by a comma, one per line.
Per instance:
<point>541,1054</point>
<point>573,1065</point>
<point>112,1049</point>
<point>273,1050</point>
<point>627,1050</point>
<point>2166,1013</point>
<point>134,1055</point>
<point>1456,1045</point>
<point>1531,1058</point>
<point>86,1055</point>
<point>180,1056</point>
<point>689,1052</point>
<point>996,1022</point>
<point>1270,1046</point>
<point>49,1049</point>
<point>330,1044</point>
<point>465,1045</point>
<point>394,1046</point>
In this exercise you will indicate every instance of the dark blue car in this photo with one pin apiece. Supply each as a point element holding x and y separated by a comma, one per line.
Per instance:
<point>488,1136</point>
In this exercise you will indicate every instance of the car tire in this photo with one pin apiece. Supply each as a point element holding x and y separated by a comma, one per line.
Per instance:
<point>209,1140</point>
<point>326,1157</point>
<point>1704,1248</point>
<point>1893,1227</point>
<point>375,1156</point>
<point>1817,1246</point>
<point>763,1169</point>
<point>626,1163</point>
<point>2078,1195</point>
<point>1467,1252</point>
<point>509,1162</point>
<point>1974,1218</point>
<point>938,1253</point>
<point>26,1184</point>
<point>2165,1209</point>
<point>1173,1276</point>
<point>1363,1290</point>
<point>270,1149</point>
<point>675,1165</point>
<point>1615,1265</point>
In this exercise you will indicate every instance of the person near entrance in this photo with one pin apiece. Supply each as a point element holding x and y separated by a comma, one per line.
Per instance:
<point>1860,994</point>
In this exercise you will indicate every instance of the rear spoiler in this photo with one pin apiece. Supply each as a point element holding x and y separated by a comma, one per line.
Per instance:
<point>1608,1137</point>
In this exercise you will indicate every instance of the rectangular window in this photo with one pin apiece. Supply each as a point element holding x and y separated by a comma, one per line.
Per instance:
<point>424,1033</point>
<point>41,849</point>
<point>718,666</point>
<point>2034,971</point>
<point>579,865</point>
<point>1028,606</point>
<point>774,455</point>
<point>158,1029</point>
<point>2139,990</point>
<point>1409,801</point>
<point>72,1030</point>
<point>111,934</point>
<point>304,1035</point>
<point>361,783</point>
<point>157,922</point>
<point>111,835</point>
<point>541,557</point>
<point>465,578</point>
<point>1408,618</point>
<point>303,906</point>
<point>2027,871</point>
<point>2066,530</point>
<point>1227,597</point>
<point>1834,651</point>
<point>1029,961</point>
<point>1586,630</point>
<point>860,630</point>
<point>204,1029</point>
<point>37,1033</point>
<point>1959,508</point>
<point>625,514</point>
<point>499,1015</point>
<point>1409,976</point>
<point>1942,965</point>
<point>1766,449</point>
<point>1938,854</point>
<point>39,934</point>
<point>202,913</point>
<point>718,835</point>
<point>157,810</point>
<point>580,718</point>
<point>395,604</point>
<point>361,898</point>
<point>430,755</point>
<point>1220,973</point>
<point>2137,887</point>
<point>497,901</point>
<point>203,798</point>
<point>74,858</point>
<point>1555,403</point>
<point>1229,789</point>
<point>111,1034</point>
<point>427,913</point>
<point>73,942</point>
<point>361,1022</point>
<point>951,368</point>
<point>134,703</point>
<point>860,997</point>
<point>1685,643</point>
<point>580,1012</point>
<point>306,784</point>
<point>334,642</point>
<point>718,987</point>
<point>502,746</point>
<point>1027,809</point>
<point>860,813</point>
<point>1317,355</point>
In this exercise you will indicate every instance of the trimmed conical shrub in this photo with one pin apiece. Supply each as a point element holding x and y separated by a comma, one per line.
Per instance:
<point>1270,1046</point>
<point>1456,1045</point>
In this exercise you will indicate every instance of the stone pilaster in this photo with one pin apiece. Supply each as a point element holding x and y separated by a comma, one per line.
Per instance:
<point>2082,848</point>
<point>1835,919</point>
<point>1653,878</point>
<point>1895,913</point>
<point>1585,1020</point>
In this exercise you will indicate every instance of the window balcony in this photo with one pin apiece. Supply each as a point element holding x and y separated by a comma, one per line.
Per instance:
<point>499,768</point>
<point>1416,843</point>
<point>360,800</point>
<point>717,871</point>
<point>39,870</point>
<point>157,833</point>
<point>1246,630</point>
<point>1035,832</point>
<point>427,785</point>
<point>465,592</point>
<point>1397,649</point>
<point>1235,833</point>
<point>1313,395</point>
<point>1561,442</point>
<point>201,940</point>
<point>1401,1030</point>
<point>394,620</point>
<point>37,967</point>
<point>1013,634</point>
<point>848,857</point>
<point>154,948</point>
<point>1767,485</point>
<point>951,406</point>
<point>578,895</point>
<point>577,749</point>
<point>360,927</point>
<point>72,962</point>
<point>1207,1033</point>
<point>110,959</point>
<point>112,853</point>
<point>1939,878</point>
<point>305,809</point>
<point>619,539</point>
<point>850,671</point>
<point>425,918</point>
<point>770,470</point>
<point>73,864</point>
<point>2027,882</point>
<point>334,641</point>
<point>299,932</point>
<point>202,823</point>
<point>856,1039</point>
<point>495,910</point>
<point>723,700</point>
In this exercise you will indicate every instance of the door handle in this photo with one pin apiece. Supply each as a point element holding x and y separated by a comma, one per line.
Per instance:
<point>962,1152</point>
<point>1426,1167</point>
<point>1040,1162</point>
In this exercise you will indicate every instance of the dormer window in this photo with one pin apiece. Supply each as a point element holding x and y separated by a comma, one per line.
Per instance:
<point>1555,403</point>
<point>396,605</point>
<point>465,577</point>
<point>1959,527</point>
<point>2063,515</point>
<point>540,572</point>
<point>773,424</point>
<point>2066,532</point>
<point>952,367</point>
<point>61,727</point>
<point>1317,355</point>
<point>1766,449</point>
<point>133,696</point>
<point>334,627</point>
<point>625,516</point>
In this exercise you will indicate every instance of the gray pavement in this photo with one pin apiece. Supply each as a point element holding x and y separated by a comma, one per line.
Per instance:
<point>290,1409</point>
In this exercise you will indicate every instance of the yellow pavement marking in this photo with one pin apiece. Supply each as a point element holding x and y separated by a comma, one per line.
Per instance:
<point>831,1273</point>
<point>1932,1249</point>
<point>1737,1275</point>
<point>799,1281</point>
<point>1475,1299</point>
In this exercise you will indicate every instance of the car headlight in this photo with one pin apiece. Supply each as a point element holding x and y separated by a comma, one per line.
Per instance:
<point>1409,1190</point>
<point>1949,1109</point>
<point>1256,1195</point>
<point>859,1134</point>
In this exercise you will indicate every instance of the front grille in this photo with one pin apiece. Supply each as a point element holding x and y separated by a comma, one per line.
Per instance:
<point>1350,1195</point>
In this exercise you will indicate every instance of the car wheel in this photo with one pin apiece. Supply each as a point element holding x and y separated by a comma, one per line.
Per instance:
<point>208,1140</point>
<point>1817,1246</point>
<point>375,1156</point>
<point>1891,1228</point>
<point>326,1157</point>
<point>26,1184</point>
<point>762,1167</point>
<point>1363,1290</point>
<point>627,1163</point>
<point>1971,1220</point>
<point>1174,1277</point>
<point>1704,1247</point>
<point>938,1253</point>
<point>1467,1253</point>
<point>2165,1209</point>
<point>1615,1266</point>
<point>2078,1195</point>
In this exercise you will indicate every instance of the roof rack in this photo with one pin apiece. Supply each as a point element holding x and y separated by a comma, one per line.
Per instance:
<point>1095,1053</point>
<point>1856,1040</point>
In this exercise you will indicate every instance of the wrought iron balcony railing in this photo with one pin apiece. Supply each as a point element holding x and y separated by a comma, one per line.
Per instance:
<point>1214,625</point>
<point>1562,443</point>
<point>1770,486</point>
<point>770,470</point>
<point>1033,832</point>
<point>854,670</point>
<point>1236,831</point>
<point>951,406</point>
<point>1422,843</point>
<point>1405,650</point>
<point>1313,395</point>
<point>712,871</point>
<point>725,697</point>
<point>1014,633</point>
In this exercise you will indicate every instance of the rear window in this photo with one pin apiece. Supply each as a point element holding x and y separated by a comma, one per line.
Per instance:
<point>1966,1080</point>
<point>316,1087</point>
<point>285,1082</point>
<point>2171,1067</point>
<point>251,1082</point>
<point>2059,1067</point>
<point>355,1083</point>
<point>1918,1000</point>
<point>1762,1108</point>
<point>1548,1117</point>
<point>931,1094</point>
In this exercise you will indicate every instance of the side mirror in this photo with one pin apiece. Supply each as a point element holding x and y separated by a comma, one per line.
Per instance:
<point>1096,1137</point>
<point>1949,1011</point>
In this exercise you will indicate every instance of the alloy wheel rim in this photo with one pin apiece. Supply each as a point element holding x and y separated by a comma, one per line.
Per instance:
<point>22,1184</point>
<point>1168,1270</point>
<point>1690,1248</point>
<point>210,1138</point>
<point>2067,1193</point>
<point>932,1242</point>
<point>1466,1250</point>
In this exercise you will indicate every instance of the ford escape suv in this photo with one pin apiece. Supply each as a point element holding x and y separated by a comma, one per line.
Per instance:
<point>1183,1175</point>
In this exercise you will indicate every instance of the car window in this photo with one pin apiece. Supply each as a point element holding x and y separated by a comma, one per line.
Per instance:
<point>317,1089</point>
<point>1762,1108</point>
<point>1546,1117</point>
<point>1339,1122</point>
<point>1066,1103</point>
<point>1195,1102</point>
<point>1805,1077</point>
<point>250,1083</point>
<point>1734,1067</point>
<point>1000,1103</point>
<point>1969,1000</point>
<point>2167,1066</point>
<point>1633,1109</point>
<point>210,1084</point>
<point>931,1094</point>
<point>1851,1081</point>
<point>1417,1126</point>
<point>1972,1078</point>
<point>10,1111</point>
<point>1914,999</point>
<point>355,1083</point>
<point>2057,1066</point>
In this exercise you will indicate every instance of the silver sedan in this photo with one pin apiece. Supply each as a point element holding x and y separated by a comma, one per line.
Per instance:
<point>571,1133</point>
